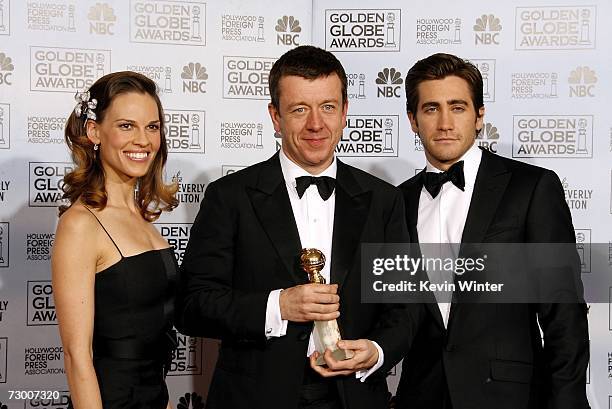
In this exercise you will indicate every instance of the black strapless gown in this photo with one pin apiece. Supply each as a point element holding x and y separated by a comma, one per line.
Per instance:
<point>133,336</point>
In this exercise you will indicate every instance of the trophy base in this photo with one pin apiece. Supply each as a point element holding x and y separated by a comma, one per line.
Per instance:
<point>326,336</point>
<point>338,355</point>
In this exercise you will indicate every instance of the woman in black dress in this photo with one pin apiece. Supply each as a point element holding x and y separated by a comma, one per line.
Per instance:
<point>113,273</point>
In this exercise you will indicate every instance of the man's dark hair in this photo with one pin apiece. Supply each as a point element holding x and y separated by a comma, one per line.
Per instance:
<point>437,67</point>
<point>308,62</point>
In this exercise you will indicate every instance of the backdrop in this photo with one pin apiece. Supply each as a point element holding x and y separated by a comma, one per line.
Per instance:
<point>546,71</point>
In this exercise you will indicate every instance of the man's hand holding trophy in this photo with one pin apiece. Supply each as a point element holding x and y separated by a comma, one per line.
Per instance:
<point>319,302</point>
<point>326,334</point>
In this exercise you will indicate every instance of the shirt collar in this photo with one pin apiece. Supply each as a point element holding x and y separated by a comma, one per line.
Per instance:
<point>471,161</point>
<point>291,170</point>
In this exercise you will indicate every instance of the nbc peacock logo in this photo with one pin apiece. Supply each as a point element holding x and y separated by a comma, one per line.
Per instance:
<point>389,81</point>
<point>190,401</point>
<point>6,70</point>
<point>487,30</point>
<point>102,19</point>
<point>582,82</point>
<point>288,29</point>
<point>194,78</point>
<point>488,137</point>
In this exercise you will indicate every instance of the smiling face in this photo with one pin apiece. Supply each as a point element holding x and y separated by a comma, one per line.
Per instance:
<point>310,118</point>
<point>445,120</point>
<point>129,136</point>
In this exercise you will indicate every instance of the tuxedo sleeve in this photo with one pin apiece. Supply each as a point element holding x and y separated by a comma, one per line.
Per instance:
<point>564,325</point>
<point>209,305</point>
<point>398,322</point>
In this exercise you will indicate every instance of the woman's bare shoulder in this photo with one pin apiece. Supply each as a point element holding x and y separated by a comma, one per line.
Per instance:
<point>77,220</point>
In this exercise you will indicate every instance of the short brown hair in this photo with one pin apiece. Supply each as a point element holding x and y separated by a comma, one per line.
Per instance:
<point>86,181</point>
<point>437,67</point>
<point>308,62</point>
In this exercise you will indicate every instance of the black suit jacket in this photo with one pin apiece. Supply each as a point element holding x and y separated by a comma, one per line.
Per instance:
<point>491,355</point>
<point>244,243</point>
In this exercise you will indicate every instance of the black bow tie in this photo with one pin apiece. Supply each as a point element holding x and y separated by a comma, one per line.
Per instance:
<point>325,185</point>
<point>435,180</point>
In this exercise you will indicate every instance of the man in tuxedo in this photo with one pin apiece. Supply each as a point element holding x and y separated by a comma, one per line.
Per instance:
<point>241,279</point>
<point>479,355</point>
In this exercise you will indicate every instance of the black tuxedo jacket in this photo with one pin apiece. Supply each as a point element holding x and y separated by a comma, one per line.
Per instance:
<point>244,243</point>
<point>491,355</point>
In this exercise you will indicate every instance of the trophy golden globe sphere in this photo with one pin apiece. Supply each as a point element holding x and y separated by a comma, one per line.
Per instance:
<point>313,261</point>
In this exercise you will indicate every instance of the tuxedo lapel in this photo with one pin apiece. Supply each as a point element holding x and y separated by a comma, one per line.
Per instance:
<point>491,182</point>
<point>412,205</point>
<point>273,209</point>
<point>350,214</point>
<point>412,197</point>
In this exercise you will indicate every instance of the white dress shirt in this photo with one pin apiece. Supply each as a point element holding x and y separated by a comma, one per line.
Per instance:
<point>442,219</point>
<point>314,218</point>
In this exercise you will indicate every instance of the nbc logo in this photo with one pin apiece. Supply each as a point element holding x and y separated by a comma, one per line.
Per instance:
<point>6,69</point>
<point>101,19</point>
<point>486,30</point>
<point>488,137</point>
<point>190,401</point>
<point>288,29</point>
<point>582,82</point>
<point>194,77</point>
<point>389,83</point>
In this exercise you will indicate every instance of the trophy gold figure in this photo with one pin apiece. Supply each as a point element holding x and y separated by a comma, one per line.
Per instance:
<point>326,334</point>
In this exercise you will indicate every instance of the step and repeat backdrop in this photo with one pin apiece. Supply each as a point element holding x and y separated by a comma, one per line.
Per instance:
<point>546,70</point>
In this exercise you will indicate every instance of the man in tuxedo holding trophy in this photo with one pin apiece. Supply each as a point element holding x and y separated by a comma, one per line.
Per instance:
<point>276,247</point>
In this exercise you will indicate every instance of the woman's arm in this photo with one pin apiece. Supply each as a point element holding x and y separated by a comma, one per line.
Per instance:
<point>73,265</point>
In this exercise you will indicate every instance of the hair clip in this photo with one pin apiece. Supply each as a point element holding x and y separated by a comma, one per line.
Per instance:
<point>84,108</point>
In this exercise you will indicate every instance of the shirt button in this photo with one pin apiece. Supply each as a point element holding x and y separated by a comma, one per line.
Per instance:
<point>269,331</point>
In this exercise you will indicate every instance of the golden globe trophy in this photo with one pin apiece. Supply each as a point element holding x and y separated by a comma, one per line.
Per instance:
<point>326,334</point>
